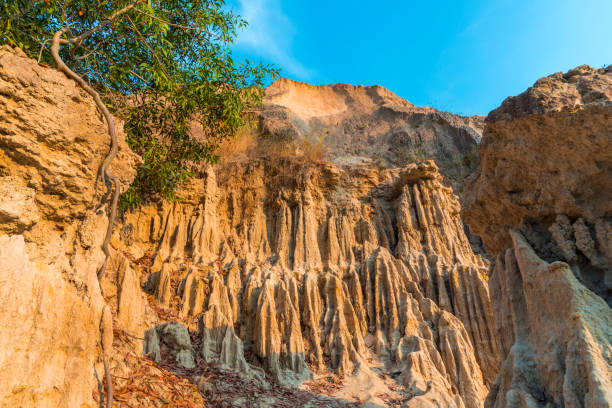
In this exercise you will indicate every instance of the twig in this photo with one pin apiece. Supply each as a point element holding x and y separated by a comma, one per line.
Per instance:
<point>42,47</point>
<point>100,388</point>
<point>180,25</point>
<point>138,76</point>
<point>80,38</point>
<point>82,57</point>
<point>131,335</point>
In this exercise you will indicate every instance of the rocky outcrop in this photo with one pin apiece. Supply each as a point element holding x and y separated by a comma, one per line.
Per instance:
<point>299,269</point>
<point>557,332</point>
<point>172,338</point>
<point>51,143</point>
<point>359,124</point>
<point>51,335</point>
<point>277,273</point>
<point>542,201</point>
<point>553,162</point>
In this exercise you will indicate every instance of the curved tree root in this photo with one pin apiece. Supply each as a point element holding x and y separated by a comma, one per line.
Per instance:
<point>106,325</point>
<point>104,171</point>
<point>104,174</point>
<point>106,331</point>
<point>111,220</point>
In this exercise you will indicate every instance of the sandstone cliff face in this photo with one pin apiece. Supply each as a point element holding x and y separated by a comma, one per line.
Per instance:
<point>296,270</point>
<point>542,201</point>
<point>360,124</point>
<point>51,143</point>
<point>281,271</point>
<point>274,274</point>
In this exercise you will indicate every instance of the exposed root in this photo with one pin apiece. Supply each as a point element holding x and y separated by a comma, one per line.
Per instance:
<point>111,220</point>
<point>104,172</point>
<point>100,388</point>
<point>106,334</point>
<point>109,384</point>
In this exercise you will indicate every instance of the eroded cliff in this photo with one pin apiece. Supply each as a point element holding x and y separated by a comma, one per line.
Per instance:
<point>370,124</point>
<point>351,281</point>
<point>542,201</point>
<point>280,281</point>
<point>317,268</point>
<point>51,144</point>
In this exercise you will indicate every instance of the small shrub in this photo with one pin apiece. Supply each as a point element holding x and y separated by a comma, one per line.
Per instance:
<point>314,151</point>
<point>249,144</point>
<point>406,155</point>
<point>378,160</point>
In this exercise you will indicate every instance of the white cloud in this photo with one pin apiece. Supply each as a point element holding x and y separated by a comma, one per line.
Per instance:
<point>270,35</point>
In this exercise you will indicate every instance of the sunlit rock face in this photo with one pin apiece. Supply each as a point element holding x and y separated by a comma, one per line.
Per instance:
<point>542,202</point>
<point>370,124</point>
<point>292,269</point>
<point>282,270</point>
<point>287,271</point>
<point>51,144</point>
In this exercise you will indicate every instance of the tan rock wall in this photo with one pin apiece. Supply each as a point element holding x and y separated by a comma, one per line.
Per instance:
<point>282,266</point>
<point>51,142</point>
<point>328,268</point>
<point>542,202</point>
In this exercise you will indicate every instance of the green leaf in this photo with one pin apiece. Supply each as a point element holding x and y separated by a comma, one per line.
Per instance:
<point>160,56</point>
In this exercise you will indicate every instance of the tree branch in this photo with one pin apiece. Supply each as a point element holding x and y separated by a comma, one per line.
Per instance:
<point>180,25</point>
<point>118,13</point>
<point>42,47</point>
<point>142,39</point>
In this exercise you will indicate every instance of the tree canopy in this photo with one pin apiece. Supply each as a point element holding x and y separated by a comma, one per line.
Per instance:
<point>164,66</point>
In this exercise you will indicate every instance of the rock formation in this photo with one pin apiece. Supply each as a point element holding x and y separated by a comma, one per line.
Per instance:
<point>358,124</point>
<point>51,144</point>
<point>542,202</point>
<point>277,269</point>
<point>309,268</point>
<point>274,275</point>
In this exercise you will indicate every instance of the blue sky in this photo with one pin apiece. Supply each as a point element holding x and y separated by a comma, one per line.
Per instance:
<point>460,56</point>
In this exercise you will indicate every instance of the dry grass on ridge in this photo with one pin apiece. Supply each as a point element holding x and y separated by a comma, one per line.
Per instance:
<point>250,144</point>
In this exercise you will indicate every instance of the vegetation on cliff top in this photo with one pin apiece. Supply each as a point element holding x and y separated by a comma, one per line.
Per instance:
<point>164,66</point>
